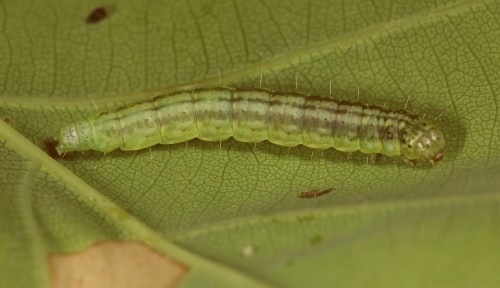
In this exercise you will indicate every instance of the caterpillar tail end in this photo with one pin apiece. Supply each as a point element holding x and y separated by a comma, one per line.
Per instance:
<point>60,149</point>
<point>68,140</point>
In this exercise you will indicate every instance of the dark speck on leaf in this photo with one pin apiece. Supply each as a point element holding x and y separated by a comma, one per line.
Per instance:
<point>99,14</point>
<point>314,193</point>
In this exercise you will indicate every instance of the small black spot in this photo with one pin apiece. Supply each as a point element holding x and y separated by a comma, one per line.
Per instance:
<point>99,14</point>
<point>409,146</point>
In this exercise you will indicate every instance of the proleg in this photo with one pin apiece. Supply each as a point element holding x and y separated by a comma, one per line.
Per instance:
<point>286,119</point>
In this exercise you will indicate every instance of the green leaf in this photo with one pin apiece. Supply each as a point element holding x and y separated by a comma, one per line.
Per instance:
<point>230,211</point>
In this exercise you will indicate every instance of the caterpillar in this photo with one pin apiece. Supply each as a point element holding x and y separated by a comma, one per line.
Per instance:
<point>255,115</point>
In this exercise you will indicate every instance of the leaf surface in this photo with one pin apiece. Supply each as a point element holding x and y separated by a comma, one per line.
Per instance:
<point>230,211</point>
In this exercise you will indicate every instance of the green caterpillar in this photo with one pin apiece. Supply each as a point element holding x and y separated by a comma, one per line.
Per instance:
<point>286,119</point>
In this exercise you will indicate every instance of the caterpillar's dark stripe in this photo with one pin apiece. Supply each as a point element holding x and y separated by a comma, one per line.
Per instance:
<point>287,119</point>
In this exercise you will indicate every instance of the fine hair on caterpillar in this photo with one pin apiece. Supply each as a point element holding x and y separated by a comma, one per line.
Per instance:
<point>254,115</point>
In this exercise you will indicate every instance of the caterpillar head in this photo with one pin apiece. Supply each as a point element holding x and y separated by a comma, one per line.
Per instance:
<point>422,141</point>
<point>75,137</point>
